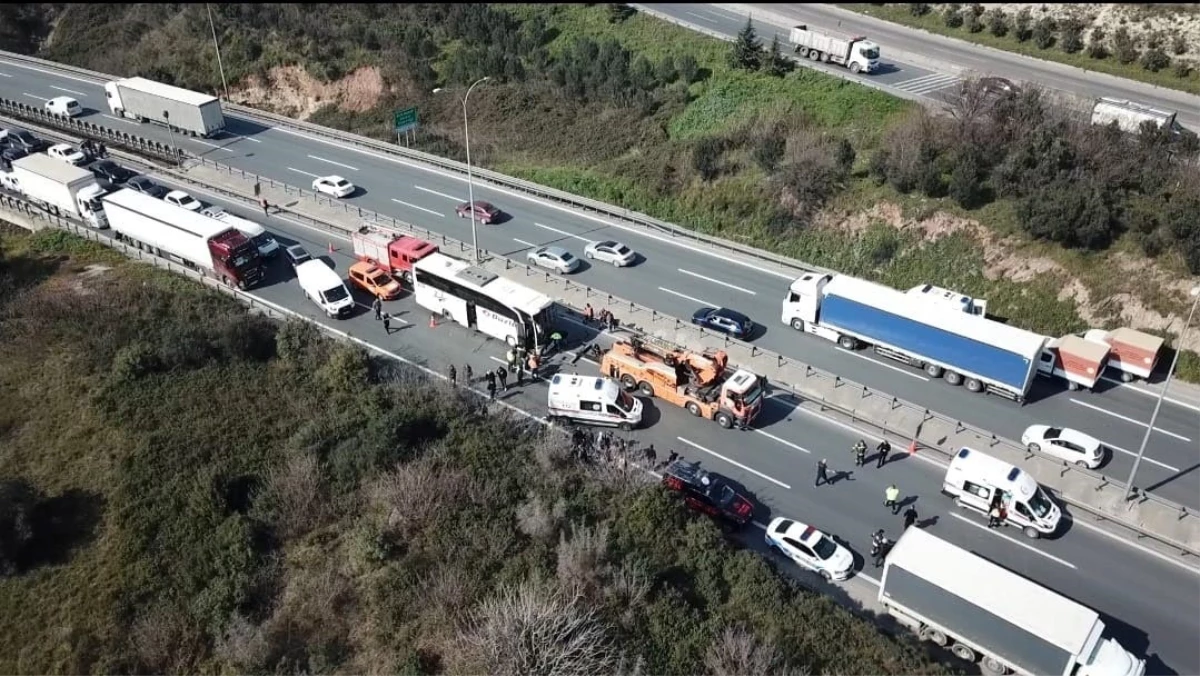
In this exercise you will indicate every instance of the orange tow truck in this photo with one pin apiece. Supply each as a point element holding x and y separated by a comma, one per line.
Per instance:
<point>699,382</point>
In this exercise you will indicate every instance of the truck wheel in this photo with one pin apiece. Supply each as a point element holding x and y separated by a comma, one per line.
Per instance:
<point>693,408</point>
<point>1127,377</point>
<point>963,652</point>
<point>974,385</point>
<point>646,389</point>
<point>628,381</point>
<point>803,52</point>
<point>855,68</point>
<point>848,342</point>
<point>933,370</point>
<point>992,666</point>
<point>1031,532</point>
<point>814,55</point>
<point>953,377</point>
<point>724,420</point>
<point>934,636</point>
<point>798,324</point>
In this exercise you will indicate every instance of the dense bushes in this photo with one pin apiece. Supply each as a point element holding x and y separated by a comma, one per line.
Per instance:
<point>303,508</point>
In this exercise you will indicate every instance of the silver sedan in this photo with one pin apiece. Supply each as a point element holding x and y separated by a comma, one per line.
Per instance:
<point>610,252</point>
<point>555,258</point>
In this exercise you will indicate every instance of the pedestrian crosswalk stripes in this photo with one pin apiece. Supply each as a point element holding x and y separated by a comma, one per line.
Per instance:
<point>927,83</point>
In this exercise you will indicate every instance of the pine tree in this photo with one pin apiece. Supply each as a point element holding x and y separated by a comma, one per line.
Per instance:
<point>776,64</point>
<point>747,49</point>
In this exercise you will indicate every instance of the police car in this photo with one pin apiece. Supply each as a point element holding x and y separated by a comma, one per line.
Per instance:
<point>809,548</point>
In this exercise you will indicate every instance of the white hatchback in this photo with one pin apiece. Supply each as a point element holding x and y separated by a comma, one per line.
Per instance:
<point>335,186</point>
<point>1065,444</point>
<point>67,153</point>
<point>181,199</point>
<point>809,548</point>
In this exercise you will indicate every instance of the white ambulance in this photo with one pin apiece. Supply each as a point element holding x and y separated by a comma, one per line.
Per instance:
<point>976,481</point>
<point>592,400</point>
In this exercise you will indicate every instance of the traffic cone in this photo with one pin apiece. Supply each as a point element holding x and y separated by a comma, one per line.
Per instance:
<point>433,321</point>
<point>331,249</point>
<point>912,447</point>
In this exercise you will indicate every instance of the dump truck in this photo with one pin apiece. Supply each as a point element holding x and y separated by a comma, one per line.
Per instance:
<point>702,383</point>
<point>1134,353</point>
<point>951,342</point>
<point>190,238</point>
<point>1129,115</point>
<point>182,110</point>
<point>60,188</point>
<point>390,250</point>
<point>982,611</point>
<point>858,54</point>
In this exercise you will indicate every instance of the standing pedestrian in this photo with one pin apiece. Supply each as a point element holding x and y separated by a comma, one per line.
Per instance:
<point>589,314</point>
<point>882,451</point>
<point>511,358</point>
<point>490,376</point>
<point>265,206</point>
<point>910,516</point>
<point>377,306</point>
<point>651,456</point>
<point>491,387</point>
<point>994,516</point>
<point>502,374</point>
<point>470,373</point>
<point>822,473</point>
<point>533,365</point>
<point>891,495</point>
<point>387,323</point>
<point>610,322</point>
<point>860,453</point>
<point>453,375</point>
<point>519,369</point>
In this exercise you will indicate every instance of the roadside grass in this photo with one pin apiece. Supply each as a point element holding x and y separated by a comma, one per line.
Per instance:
<point>933,23</point>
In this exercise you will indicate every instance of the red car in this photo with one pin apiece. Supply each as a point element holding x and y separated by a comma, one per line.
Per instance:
<point>484,211</point>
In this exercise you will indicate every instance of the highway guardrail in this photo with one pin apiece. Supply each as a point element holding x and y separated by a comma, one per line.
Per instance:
<point>1150,516</point>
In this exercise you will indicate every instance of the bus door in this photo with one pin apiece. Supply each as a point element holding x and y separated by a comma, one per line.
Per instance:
<point>471,316</point>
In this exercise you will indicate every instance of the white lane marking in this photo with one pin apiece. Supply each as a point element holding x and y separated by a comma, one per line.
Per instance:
<point>783,441</point>
<point>69,91</point>
<point>35,96</point>
<point>118,119</point>
<point>640,232</point>
<point>336,164</point>
<point>52,73</point>
<point>413,206</point>
<point>563,233</point>
<point>734,463</point>
<point>1173,560</point>
<point>699,16</point>
<point>1128,419</point>
<point>717,281</point>
<point>1149,393</point>
<point>5,75</point>
<point>1134,455</point>
<point>439,194</point>
<point>298,171</point>
<point>212,145</point>
<point>897,369</point>
<point>1015,541</point>
<point>694,300</point>
<point>244,138</point>
<point>521,241</point>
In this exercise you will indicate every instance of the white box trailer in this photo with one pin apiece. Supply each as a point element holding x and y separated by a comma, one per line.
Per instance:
<point>60,187</point>
<point>1129,115</point>
<point>186,111</point>
<point>950,596</point>
<point>858,54</point>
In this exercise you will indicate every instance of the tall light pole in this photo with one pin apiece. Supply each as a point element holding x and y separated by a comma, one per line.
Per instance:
<point>213,27</point>
<point>1195,294</point>
<point>470,175</point>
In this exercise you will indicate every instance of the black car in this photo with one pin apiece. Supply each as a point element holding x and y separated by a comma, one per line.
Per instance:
<point>13,154</point>
<point>23,140</point>
<point>724,320</point>
<point>708,493</point>
<point>296,254</point>
<point>111,171</point>
<point>145,185</point>
<point>999,86</point>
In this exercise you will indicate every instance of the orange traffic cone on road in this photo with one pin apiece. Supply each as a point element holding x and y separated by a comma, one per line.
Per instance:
<point>331,249</point>
<point>433,321</point>
<point>912,447</point>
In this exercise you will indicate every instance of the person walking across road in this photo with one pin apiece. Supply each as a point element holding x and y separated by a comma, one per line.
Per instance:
<point>860,453</point>
<point>891,495</point>
<point>910,516</point>
<point>453,375</point>
<point>822,473</point>
<point>502,374</point>
<point>881,452</point>
<point>377,306</point>
<point>387,323</point>
<point>470,374</point>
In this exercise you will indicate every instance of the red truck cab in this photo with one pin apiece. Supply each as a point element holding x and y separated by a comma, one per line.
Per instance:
<point>236,259</point>
<point>390,250</point>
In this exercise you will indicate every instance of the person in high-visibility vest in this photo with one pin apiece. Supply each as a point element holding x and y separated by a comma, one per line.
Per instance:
<point>891,495</point>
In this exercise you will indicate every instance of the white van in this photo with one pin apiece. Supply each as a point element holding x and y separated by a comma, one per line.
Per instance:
<point>975,479</point>
<point>63,105</point>
<point>592,400</point>
<point>324,287</point>
<point>266,244</point>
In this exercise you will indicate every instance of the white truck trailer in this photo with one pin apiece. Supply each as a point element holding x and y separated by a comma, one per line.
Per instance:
<point>1129,115</point>
<point>187,237</point>
<point>858,54</point>
<point>60,187</point>
<point>185,111</point>
<point>950,596</point>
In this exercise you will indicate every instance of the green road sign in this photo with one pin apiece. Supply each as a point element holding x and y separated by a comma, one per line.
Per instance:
<point>405,120</point>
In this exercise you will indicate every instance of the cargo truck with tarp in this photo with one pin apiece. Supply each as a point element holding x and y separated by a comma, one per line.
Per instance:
<point>982,611</point>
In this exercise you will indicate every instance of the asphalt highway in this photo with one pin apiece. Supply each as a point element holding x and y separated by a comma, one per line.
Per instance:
<point>672,277</point>
<point>1150,602</point>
